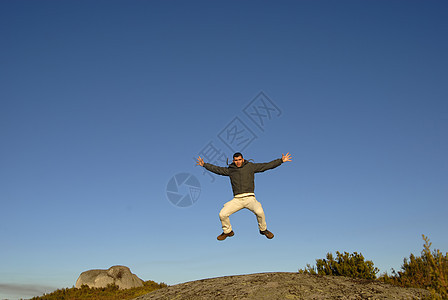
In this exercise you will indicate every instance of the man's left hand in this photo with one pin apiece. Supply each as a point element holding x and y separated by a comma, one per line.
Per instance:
<point>286,157</point>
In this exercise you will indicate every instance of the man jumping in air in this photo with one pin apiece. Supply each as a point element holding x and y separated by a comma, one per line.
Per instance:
<point>241,173</point>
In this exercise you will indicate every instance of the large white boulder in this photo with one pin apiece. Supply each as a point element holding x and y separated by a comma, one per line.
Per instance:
<point>118,275</point>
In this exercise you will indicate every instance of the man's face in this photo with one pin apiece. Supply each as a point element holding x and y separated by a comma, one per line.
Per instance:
<point>238,161</point>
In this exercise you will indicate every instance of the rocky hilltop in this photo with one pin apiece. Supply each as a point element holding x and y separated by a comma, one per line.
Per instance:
<point>282,285</point>
<point>121,276</point>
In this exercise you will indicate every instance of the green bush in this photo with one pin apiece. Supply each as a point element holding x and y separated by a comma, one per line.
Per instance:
<point>111,292</point>
<point>429,271</point>
<point>350,265</point>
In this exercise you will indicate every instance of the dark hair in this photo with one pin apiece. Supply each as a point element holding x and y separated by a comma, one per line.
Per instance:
<point>237,154</point>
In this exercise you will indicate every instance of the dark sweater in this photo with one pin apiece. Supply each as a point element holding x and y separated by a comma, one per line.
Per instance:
<point>242,178</point>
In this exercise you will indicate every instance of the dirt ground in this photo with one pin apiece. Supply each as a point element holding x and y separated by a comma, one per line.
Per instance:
<point>283,285</point>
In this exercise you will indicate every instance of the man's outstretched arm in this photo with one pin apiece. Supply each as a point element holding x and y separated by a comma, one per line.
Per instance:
<point>212,168</point>
<point>261,167</point>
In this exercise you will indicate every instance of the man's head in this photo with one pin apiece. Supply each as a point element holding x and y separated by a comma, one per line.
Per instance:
<point>238,159</point>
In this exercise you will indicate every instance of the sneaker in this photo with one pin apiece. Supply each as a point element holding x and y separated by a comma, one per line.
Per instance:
<point>223,235</point>
<point>267,233</point>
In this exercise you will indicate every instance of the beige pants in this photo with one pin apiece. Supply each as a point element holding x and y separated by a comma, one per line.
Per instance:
<point>238,203</point>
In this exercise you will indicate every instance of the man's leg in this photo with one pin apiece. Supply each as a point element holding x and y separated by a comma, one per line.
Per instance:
<point>229,208</point>
<point>253,205</point>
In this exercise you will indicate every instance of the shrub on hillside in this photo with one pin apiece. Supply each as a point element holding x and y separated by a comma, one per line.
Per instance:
<point>429,271</point>
<point>350,265</point>
<point>111,292</point>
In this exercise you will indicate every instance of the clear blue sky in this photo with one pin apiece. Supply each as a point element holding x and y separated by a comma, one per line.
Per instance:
<point>103,102</point>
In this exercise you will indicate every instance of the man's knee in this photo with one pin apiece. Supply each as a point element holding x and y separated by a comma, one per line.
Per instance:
<point>223,214</point>
<point>259,211</point>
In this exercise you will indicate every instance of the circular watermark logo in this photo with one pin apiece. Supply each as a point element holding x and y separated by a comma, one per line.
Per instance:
<point>183,189</point>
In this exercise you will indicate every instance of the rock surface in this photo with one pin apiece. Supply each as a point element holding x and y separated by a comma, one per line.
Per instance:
<point>284,286</point>
<point>118,275</point>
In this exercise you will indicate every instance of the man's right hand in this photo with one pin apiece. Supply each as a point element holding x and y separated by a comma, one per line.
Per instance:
<point>200,162</point>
